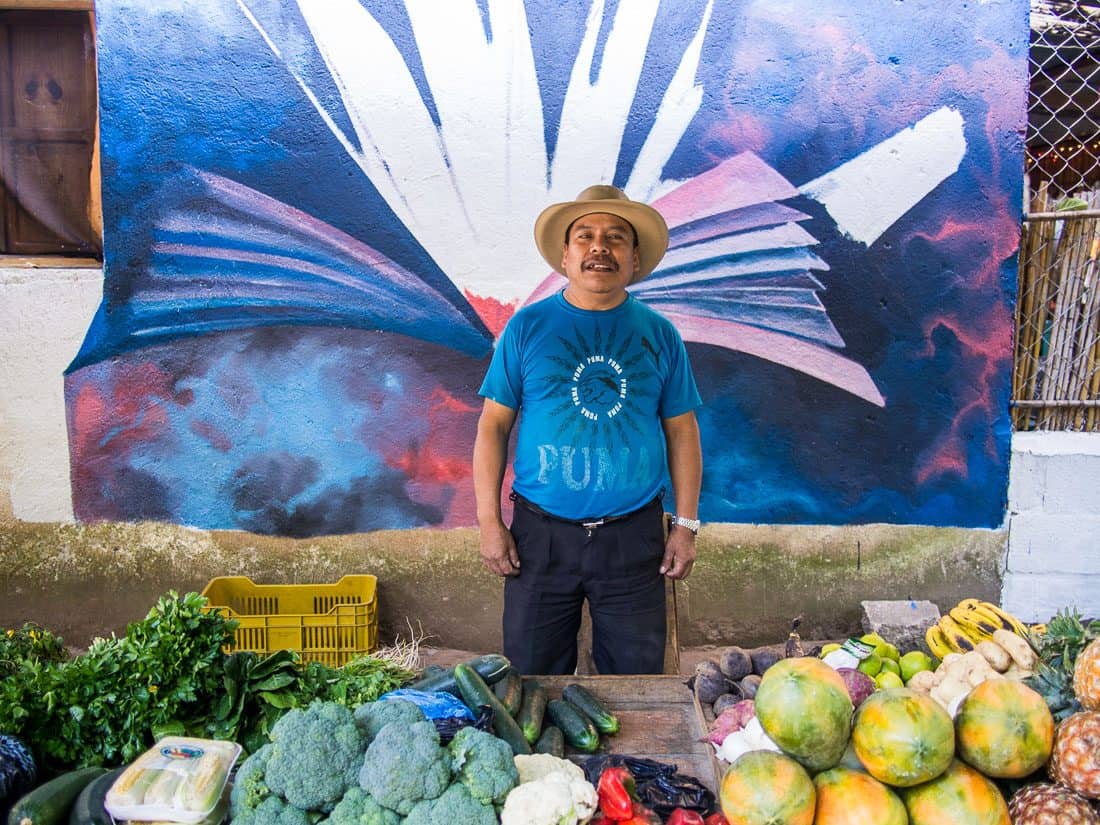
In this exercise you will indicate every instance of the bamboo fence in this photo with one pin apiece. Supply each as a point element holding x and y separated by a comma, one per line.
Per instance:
<point>1056,377</point>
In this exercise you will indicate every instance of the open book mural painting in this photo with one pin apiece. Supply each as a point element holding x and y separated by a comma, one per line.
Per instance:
<point>318,219</point>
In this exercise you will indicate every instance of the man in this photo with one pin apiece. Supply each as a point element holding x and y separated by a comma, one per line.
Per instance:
<point>607,399</point>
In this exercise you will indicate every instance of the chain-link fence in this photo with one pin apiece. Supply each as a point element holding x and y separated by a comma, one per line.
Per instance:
<point>1056,380</point>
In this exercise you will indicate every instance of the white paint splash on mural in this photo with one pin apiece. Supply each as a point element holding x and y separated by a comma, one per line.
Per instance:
<point>485,167</point>
<point>866,195</point>
<point>469,179</point>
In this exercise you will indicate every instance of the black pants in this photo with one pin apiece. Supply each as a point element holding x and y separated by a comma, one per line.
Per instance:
<point>614,566</point>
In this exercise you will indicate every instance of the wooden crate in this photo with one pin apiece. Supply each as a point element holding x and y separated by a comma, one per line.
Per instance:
<point>659,717</point>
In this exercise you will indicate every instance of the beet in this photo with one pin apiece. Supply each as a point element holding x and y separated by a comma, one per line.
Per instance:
<point>859,684</point>
<point>749,685</point>
<point>709,682</point>
<point>728,700</point>
<point>763,658</point>
<point>735,663</point>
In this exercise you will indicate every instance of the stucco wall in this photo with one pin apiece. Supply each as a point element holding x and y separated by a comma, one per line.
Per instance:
<point>44,313</point>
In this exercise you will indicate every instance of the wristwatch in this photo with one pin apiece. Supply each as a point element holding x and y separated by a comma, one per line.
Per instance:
<point>692,524</point>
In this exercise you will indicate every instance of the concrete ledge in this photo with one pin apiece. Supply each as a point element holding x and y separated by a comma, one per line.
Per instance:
<point>748,583</point>
<point>1052,544</point>
<point>1035,598</point>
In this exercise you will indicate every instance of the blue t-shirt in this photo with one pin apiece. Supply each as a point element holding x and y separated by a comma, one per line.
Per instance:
<point>592,387</point>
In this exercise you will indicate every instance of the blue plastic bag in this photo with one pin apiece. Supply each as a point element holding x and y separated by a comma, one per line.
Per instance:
<point>434,705</point>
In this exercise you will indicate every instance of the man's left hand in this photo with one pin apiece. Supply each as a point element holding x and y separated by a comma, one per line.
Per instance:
<point>679,553</point>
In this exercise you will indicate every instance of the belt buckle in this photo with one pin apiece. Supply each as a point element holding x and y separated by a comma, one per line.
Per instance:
<point>589,526</point>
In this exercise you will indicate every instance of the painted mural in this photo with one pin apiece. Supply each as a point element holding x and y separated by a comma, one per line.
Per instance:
<point>318,219</point>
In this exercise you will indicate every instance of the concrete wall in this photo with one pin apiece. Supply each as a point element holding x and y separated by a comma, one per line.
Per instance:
<point>1053,558</point>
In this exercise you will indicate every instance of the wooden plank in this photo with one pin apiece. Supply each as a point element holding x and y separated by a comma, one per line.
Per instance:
<point>660,719</point>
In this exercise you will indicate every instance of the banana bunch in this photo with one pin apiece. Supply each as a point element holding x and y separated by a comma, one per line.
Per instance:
<point>968,624</point>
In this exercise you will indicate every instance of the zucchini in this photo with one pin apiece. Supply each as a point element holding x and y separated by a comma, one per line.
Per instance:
<point>509,691</point>
<point>551,742</point>
<point>604,720</point>
<point>490,667</point>
<point>88,809</point>
<point>577,728</point>
<point>49,804</point>
<point>476,693</point>
<point>531,710</point>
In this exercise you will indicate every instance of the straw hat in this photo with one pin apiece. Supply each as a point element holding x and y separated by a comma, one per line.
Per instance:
<point>649,227</point>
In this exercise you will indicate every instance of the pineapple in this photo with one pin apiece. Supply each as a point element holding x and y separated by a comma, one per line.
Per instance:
<point>1043,804</point>
<point>1059,645</point>
<point>1075,760</point>
<point>1086,677</point>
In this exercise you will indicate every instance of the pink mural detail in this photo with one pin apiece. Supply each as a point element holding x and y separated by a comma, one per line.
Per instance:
<point>212,435</point>
<point>818,361</point>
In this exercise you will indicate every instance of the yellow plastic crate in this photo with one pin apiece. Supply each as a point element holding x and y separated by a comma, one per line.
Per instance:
<point>329,623</point>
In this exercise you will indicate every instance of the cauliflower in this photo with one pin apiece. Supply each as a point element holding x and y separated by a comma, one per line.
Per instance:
<point>373,716</point>
<point>483,763</point>
<point>272,811</point>
<point>249,788</point>
<point>552,791</point>
<point>404,765</point>
<point>315,755</point>
<point>454,807</point>
<point>358,808</point>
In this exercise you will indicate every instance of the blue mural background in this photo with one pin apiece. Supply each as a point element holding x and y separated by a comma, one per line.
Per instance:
<point>325,415</point>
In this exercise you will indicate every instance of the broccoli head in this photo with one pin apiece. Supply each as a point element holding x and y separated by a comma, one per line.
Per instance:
<point>358,808</point>
<point>405,764</point>
<point>315,755</point>
<point>484,764</point>
<point>453,806</point>
<point>373,716</point>
<point>272,811</point>
<point>249,787</point>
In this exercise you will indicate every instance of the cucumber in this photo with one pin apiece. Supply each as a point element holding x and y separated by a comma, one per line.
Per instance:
<point>604,720</point>
<point>88,809</point>
<point>490,667</point>
<point>577,728</point>
<point>509,691</point>
<point>531,710</point>
<point>476,693</point>
<point>49,804</point>
<point>551,742</point>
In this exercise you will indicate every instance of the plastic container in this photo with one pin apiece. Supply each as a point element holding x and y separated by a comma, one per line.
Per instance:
<point>179,779</point>
<point>328,623</point>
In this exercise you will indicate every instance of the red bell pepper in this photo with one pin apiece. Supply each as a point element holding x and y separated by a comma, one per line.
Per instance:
<point>682,816</point>
<point>642,816</point>
<point>616,793</point>
<point>716,819</point>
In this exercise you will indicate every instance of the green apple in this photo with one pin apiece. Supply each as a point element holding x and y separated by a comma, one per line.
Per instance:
<point>913,663</point>
<point>871,665</point>
<point>890,665</point>
<point>888,679</point>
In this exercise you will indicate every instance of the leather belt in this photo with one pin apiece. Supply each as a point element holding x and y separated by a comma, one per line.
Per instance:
<point>586,524</point>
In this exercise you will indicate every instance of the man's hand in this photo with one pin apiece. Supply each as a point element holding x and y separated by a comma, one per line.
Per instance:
<point>498,550</point>
<point>679,553</point>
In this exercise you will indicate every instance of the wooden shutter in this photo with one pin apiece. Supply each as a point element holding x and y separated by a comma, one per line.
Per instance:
<point>47,132</point>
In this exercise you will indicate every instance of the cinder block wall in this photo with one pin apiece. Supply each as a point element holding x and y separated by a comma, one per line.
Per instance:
<point>1053,556</point>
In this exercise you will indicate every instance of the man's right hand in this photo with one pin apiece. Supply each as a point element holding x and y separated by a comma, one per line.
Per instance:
<point>498,550</point>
